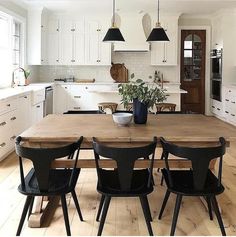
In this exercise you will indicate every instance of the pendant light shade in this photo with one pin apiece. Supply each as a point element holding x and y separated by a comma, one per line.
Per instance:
<point>158,33</point>
<point>113,34</point>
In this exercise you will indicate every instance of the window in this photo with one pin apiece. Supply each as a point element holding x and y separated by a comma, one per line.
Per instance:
<point>11,52</point>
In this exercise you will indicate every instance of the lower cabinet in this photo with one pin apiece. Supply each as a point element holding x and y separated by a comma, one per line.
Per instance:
<point>217,108</point>
<point>37,112</point>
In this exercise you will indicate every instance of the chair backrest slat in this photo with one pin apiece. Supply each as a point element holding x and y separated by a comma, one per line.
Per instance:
<point>125,159</point>
<point>199,156</point>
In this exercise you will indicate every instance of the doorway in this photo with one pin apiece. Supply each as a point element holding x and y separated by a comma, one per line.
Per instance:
<point>192,70</point>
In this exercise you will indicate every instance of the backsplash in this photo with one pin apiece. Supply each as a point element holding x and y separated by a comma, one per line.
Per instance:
<point>136,62</point>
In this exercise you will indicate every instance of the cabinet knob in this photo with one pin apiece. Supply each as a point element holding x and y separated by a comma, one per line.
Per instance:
<point>13,118</point>
<point>38,106</point>
<point>3,124</point>
<point>3,144</point>
<point>72,60</point>
<point>86,88</point>
<point>25,97</point>
<point>57,60</point>
<point>98,60</point>
<point>8,105</point>
<point>41,60</point>
<point>57,30</point>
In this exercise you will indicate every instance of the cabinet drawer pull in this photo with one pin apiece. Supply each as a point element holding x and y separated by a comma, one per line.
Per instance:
<point>233,115</point>
<point>3,124</point>
<point>77,97</point>
<point>218,109</point>
<point>72,60</point>
<point>226,100</point>
<point>8,105</point>
<point>233,102</point>
<point>41,60</point>
<point>13,138</point>
<point>38,106</point>
<point>86,88</point>
<point>25,97</point>
<point>72,30</point>
<point>76,107</point>
<point>98,61</point>
<point>229,90</point>
<point>57,30</point>
<point>226,112</point>
<point>57,60</point>
<point>213,106</point>
<point>3,144</point>
<point>13,118</point>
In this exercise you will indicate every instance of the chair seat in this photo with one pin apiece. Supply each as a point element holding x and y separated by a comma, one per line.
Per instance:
<point>58,183</point>
<point>111,185</point>
<point>183,183</point>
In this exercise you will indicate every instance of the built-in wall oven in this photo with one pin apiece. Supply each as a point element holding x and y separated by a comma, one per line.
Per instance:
<point>216,74</point>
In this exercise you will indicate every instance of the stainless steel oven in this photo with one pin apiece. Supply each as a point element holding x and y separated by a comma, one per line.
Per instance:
<point>216,74</point>
<point>216,85</point>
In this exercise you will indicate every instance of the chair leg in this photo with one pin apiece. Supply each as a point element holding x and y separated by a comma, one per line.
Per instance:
<point>146,203</point>
<point>162,180</point>
<point>31,207</point>
<point>23,215</point>
<point>208,200</point>
<point>164,203</point>
<point>146,214</point>
<point>65,213</point>
<point>218,215</point>
<point>77,205</point>
<point>176,214</point>
<point>104,214</point>
<point>100,207</point>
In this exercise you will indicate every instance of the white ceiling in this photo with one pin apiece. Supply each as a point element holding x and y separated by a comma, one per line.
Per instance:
<point>95,6</point>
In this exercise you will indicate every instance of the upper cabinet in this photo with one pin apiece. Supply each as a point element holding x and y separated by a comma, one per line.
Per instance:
<point>98,52</point>
<point>72,36</point>
<point>63,40</point>
<point>165,53</point>
<point>54,42</point>
<point>37,37</point>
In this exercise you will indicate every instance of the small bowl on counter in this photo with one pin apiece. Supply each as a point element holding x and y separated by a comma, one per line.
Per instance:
<point>122,119</point>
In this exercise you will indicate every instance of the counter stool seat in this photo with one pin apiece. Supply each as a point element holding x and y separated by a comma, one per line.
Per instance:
<point>107,105</point>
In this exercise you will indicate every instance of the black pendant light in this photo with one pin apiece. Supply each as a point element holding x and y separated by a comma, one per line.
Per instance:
<point>113,34</point>
<point>158,33</point>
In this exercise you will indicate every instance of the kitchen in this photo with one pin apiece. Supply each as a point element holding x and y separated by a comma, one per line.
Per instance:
<point>60,44</point>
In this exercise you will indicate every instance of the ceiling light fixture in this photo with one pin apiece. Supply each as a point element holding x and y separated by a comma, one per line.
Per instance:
<point>113,34</point>
<point>158,33</point>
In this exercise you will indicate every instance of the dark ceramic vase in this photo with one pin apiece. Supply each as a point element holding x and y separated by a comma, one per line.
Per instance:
<point>140,112</point>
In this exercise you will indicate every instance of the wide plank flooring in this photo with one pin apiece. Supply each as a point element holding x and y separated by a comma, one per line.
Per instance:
<point>125,215</point>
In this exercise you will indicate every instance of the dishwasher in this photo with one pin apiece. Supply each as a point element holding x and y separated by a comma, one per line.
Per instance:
<point>48,103</point>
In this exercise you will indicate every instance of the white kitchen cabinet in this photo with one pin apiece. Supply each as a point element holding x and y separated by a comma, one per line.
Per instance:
<point>24,111</point>
<point>8,126</point>
<point>165,53</point>
<point>54,42</point>
<point>60,98</point>
<point>229,99</point>
<point>37,37</point>
<point>217,108</point>
<point>73,50</point>
<point>37,112</point>
<point>217,36</point>
<point>97,52</point>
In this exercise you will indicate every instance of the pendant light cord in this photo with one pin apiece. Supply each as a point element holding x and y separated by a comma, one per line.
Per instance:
<point>158,12</point>
<point>113,15</point>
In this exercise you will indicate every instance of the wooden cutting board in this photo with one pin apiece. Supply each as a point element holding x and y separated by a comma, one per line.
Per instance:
<point>119,72</point>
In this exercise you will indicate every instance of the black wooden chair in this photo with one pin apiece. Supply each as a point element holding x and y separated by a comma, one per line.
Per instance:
<point>42,180</point>
<point>198,181</point>
<point>124,181</point>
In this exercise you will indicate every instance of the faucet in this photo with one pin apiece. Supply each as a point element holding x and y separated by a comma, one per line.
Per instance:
<point>13,83</point>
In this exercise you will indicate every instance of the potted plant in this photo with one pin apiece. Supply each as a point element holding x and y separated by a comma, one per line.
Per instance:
<point>142,95</point>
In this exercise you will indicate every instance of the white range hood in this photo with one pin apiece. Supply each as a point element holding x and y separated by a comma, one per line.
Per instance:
<point>131,27</point>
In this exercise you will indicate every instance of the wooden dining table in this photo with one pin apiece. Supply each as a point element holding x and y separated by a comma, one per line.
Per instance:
<point>183,129</point>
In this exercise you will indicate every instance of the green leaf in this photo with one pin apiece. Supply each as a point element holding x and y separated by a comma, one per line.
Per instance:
<point>132,76</point>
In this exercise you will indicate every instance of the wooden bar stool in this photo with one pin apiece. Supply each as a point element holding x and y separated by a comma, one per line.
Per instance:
<point>107,105</point>
<point>165,107</point>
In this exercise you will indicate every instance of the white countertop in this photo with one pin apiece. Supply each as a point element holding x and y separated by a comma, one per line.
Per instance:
<point>170,91</point>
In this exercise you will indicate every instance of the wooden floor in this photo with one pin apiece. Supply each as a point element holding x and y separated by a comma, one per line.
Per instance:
<point>125,215</point>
